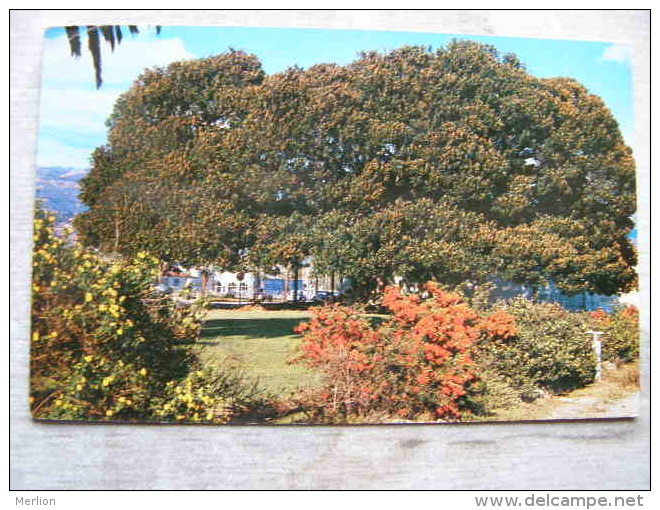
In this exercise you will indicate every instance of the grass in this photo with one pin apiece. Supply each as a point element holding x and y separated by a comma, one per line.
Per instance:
<point>260,343</point>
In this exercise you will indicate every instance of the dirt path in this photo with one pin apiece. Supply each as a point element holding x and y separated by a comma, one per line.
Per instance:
<point>616,396</point>
<point>593,407</point>
<point>628,406</point>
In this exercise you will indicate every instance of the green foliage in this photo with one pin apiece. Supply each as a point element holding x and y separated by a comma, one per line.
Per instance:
<point>103,346</point>
<point>450,165</point>
<point>169,181</point>
<point>493,392</point>
<point>620,333</point>
<point>551,350</point>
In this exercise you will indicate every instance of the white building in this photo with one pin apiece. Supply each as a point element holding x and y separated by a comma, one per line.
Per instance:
<point>248,286</point>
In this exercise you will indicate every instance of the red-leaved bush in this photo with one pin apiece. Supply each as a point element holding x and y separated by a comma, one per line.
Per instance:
<point>414,364</point>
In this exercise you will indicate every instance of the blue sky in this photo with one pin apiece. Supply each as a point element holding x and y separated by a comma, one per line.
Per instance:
<point>73,112</point>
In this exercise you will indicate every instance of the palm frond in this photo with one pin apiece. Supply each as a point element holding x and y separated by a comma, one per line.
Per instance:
<point>112,34</point>
<point>73,35</point>
<point>118,34</point>
<point>108,35</point>
<point>94,45</point>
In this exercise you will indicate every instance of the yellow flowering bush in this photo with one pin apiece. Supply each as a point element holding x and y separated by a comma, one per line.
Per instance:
<point>193,399</point>
<point>104,346</point>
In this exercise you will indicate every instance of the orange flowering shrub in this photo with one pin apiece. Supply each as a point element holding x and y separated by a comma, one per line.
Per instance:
<point>620,333</point>
<point>416,364</point>
<point>599,315</point>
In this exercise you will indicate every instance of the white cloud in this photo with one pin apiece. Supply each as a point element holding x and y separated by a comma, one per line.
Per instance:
<point>51,152</point>
<point>77,111</point>
<point>73,113</point>
<point>120,67</point>
<point>72,124</point>
<point>617,53</point>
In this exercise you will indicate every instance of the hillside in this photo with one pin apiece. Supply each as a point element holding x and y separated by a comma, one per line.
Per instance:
<point>58,187</point>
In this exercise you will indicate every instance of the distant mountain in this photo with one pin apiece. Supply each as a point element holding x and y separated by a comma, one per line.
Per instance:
<point>58,187</point>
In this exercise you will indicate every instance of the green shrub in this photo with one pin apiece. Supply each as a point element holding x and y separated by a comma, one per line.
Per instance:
<point>551,350</point>
<point>620,333</point>
<point>490,392</point>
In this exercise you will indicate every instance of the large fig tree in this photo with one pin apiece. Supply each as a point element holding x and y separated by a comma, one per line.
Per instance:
<point>454,165</point>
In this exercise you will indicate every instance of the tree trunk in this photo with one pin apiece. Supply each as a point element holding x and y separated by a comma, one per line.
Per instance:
<point>256,283</point>
<point>380,285</point>
<point>296,268</point>
<point>117,223</point>
<point>205,282</point>
<point>285,290</point>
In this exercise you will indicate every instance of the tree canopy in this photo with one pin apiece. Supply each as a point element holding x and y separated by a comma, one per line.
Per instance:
<point>453,165</point>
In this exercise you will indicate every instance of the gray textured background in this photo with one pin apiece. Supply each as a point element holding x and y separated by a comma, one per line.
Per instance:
<point>579,455</point>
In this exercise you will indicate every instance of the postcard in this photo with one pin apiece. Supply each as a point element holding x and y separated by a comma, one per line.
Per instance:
<point>293,226</point>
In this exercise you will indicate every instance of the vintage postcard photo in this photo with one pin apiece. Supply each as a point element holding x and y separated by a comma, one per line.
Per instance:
<point>296,226</point>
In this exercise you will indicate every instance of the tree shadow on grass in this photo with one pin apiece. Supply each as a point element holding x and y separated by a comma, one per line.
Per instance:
<point>251,327</point>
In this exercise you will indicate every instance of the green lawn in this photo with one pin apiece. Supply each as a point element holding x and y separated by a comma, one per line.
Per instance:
<point>259,342</point>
